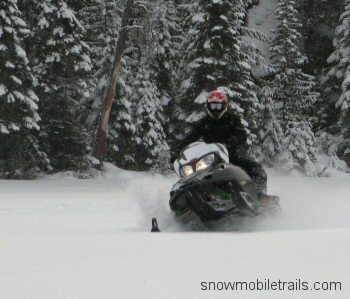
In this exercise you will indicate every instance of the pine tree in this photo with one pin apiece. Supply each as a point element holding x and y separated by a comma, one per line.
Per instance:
<point>319,19</point>
<point>63,67</point>
<point>298,148</point>
<point>327,14</point>
<point>216,59</point>
<point>165,57</point>
<point>341,70</point>
<point>251,3</point>
<point>293,88</point>
<point>270,136</point>
<point>165,29</point>
<point>122,137</point>
<point>101,31</point>
<point>153,150</point>
<point>345,132</point>
<point>20,155</point>
<point>101,20</point>
<point>188,11</point>
<point>296,88</point>
<point>122,130</point>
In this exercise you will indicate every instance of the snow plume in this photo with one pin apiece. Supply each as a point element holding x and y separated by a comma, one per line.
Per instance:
<point>152,195</point>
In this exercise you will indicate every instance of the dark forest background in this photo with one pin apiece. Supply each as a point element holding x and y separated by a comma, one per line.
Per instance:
<point>56,59</point>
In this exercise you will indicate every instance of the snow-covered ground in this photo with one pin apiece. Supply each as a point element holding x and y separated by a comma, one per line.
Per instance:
<point>63,238</point>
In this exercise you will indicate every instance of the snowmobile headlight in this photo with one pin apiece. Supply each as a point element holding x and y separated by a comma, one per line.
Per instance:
<point>205,162</point>
<point>186,170</point>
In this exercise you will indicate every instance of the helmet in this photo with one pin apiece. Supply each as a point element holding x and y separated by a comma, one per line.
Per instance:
<point>217,104</point>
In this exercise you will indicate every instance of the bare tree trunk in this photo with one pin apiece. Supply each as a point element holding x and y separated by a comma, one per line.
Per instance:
<point>101,137</point>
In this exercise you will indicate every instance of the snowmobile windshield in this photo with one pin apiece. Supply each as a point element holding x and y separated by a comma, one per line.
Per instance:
<point>198,156</point>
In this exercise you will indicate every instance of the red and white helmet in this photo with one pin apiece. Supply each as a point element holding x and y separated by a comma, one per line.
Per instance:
<point>217,104</point>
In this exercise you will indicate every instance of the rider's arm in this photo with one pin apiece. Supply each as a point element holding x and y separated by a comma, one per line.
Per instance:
<point>239,134</point>
<point>193,135</point>
<point>187,138</point>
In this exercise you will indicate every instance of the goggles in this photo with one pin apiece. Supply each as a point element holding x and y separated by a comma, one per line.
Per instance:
<point>215,106</point>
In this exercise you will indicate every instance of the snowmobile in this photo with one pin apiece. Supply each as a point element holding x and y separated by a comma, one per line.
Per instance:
<point>210,187</point>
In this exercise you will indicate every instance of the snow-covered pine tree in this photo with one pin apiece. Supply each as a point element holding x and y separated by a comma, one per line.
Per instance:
<point>251,3</point>
<point>189,12</point>
<point>319,19</point>
<point>63,68</point>
<point>152,152</point>
<point>296,88</point>
<point>83,107</point>
<point>20,155</point>
<point>101,20</point>
<point>121,140</point>
<point>344,123</point>
<point>165,57</point>
<point>214,58</point>
<point>270,135</point>
<point>298,148</point>
<point>293,88</point>
<point>330,145</point>
<point>344,101</point>
<point>337,83</point>
<point>122,136</point>
<point>166,46</point>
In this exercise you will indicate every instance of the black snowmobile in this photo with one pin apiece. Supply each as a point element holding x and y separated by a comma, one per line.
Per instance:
<point>210,187</point>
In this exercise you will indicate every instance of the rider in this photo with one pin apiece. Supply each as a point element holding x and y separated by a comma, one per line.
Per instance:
<point>222,126</point>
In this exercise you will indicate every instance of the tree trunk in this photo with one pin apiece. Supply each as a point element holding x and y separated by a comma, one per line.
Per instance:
<point>101,137</point>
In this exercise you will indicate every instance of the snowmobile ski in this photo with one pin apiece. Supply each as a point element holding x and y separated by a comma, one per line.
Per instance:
<point>155,227</point>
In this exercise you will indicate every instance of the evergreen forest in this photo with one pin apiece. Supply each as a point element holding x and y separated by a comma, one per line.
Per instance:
<point>56,59</point>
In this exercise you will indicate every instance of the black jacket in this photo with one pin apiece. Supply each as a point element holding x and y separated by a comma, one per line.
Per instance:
<point>227,130</point>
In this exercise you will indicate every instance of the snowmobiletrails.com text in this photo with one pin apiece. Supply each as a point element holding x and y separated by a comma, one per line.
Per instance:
<point>271,285</point>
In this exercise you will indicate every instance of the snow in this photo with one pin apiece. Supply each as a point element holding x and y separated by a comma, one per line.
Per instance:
<point>18,21</point>
<point>202,98</point>
<point>31,123</point>
<point>16,80</point>
<point>199,18</point>
<point>9,65</point>
<point>3,129</point>
<point>43,22</point>
<point>14,127</point>
<point>61,237</point>
<point>3,89</point>
<point>207,44</point>
<point>21,53</point>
